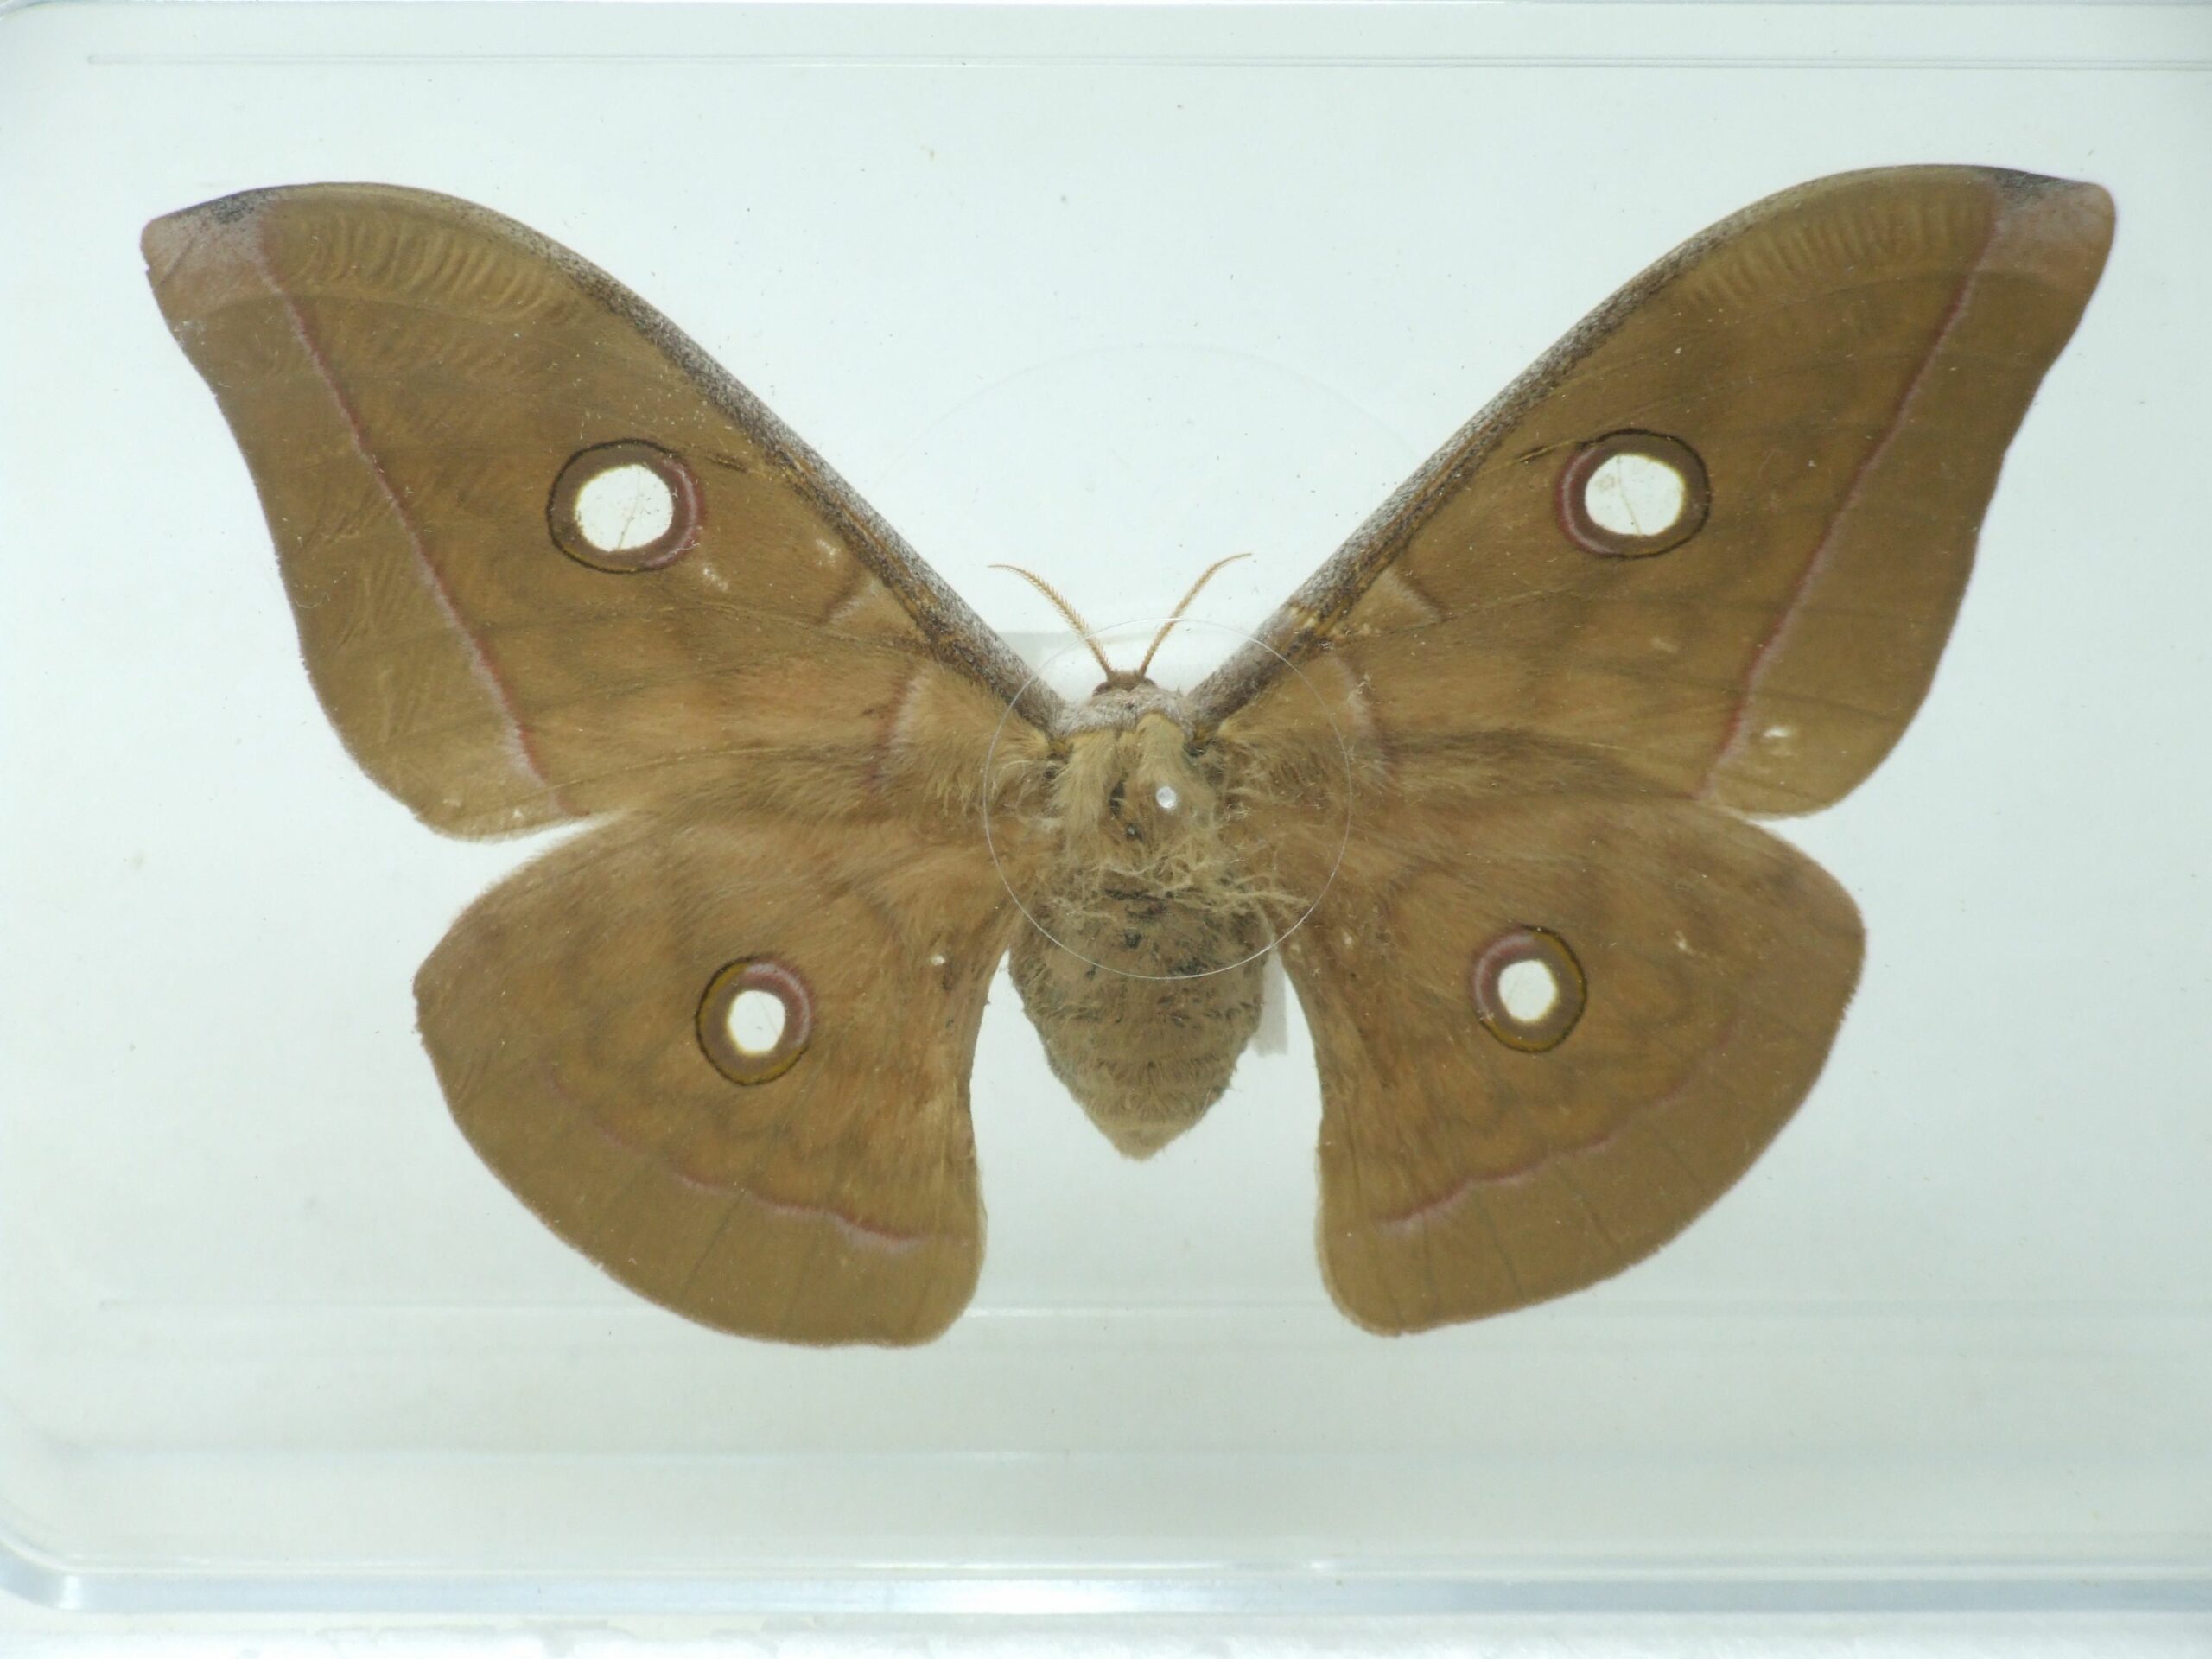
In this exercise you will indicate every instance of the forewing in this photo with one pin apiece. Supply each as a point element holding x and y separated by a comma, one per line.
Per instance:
<point>423,391</point>
<point>1844,363</point>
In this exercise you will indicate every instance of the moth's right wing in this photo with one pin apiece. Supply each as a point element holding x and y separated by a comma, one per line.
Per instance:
<point>426,393</point>
<point>814,1182</point>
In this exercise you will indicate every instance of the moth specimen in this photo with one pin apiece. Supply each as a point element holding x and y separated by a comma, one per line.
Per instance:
<point>1486,778</point>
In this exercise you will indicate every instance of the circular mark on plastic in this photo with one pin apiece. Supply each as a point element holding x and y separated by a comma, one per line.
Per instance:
<point>1633,494</point>
<point>1098,845</point>
<point>755,1019</point>
<point>1528,989</point>
<point>624,507</point>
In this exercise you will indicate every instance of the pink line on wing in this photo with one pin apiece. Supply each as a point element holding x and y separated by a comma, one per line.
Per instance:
<point>1756,668</point>
<point>521,750</point>
<point>860,1232</point>
<point>1421,1214</point>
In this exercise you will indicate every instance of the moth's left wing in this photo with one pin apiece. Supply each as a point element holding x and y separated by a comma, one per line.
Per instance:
<point>1830,378</point>
<point>605,1024</point>
<point>1481,1148</point>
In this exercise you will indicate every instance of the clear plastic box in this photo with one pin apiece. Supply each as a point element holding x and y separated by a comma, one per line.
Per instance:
<point>1108,293</point>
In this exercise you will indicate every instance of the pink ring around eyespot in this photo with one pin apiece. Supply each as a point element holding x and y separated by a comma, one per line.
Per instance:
<point>1586,533</point>
<point>1570,989</point>
<point>755,973</point>
<point>686,507</point>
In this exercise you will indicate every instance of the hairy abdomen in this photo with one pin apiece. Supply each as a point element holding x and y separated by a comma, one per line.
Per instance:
<point>1141,1034</point>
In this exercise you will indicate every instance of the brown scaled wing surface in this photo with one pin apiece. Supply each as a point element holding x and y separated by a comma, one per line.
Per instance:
<point>1554,735</point>
<point>786,723</point>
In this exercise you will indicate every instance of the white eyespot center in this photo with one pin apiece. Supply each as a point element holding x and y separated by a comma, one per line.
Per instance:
<point>625,508</point>
<point>1630,494</point>
<point>1528,991</point>
<point>756,1021</point>
<point>1168,799</point>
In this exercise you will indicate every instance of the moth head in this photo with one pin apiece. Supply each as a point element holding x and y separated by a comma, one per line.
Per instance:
<point>1134,786</point>
<point>1120,683</point>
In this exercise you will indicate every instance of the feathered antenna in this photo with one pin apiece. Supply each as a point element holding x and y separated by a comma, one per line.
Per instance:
<point>1178,616</point>
<point>1075,619</point>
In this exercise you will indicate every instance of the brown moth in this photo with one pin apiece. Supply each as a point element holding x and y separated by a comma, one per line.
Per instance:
<point>1486,777</point>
